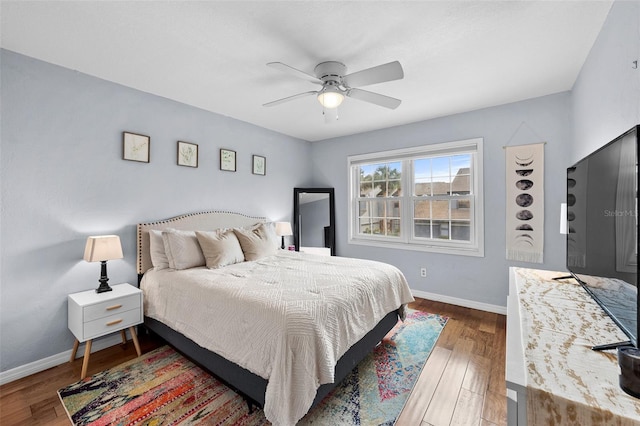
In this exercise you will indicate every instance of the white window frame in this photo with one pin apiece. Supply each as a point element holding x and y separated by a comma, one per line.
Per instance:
<point>474,247</point>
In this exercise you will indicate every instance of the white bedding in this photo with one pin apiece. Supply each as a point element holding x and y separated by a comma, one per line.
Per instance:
<point>287,318</point>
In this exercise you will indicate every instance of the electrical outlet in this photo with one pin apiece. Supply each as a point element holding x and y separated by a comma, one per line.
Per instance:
<point>423,272</point>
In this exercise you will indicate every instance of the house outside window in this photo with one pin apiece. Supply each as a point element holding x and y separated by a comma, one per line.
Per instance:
<point>426,198</point>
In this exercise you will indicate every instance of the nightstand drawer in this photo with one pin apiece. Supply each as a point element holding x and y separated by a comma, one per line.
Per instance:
<point>111,307</point>
<point>109,324</point>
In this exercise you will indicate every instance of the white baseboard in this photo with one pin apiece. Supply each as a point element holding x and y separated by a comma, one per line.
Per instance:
<point>54,360</point>
<point>496,309</point>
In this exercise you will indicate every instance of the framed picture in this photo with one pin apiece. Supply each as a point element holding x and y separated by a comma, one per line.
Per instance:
<point>259,165</point>
<point>227,160</point>
<point>135,147</point>
<point>187,154</point>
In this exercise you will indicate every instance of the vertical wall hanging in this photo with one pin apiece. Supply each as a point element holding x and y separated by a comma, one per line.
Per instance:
<point>525,202</point>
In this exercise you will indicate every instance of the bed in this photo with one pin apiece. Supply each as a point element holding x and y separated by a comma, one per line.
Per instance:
<point>282,328</point>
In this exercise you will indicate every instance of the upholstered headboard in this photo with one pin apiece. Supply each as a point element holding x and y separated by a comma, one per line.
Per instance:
<point>203,221</point>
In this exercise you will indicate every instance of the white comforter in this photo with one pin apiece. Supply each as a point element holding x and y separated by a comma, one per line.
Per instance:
<point>287,318</point>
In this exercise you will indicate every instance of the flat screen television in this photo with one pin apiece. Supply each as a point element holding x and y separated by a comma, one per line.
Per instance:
<point>602,225</point>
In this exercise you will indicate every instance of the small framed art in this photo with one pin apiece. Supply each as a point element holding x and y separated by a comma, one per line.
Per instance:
<point>227,160</point>
<point>135,147</point>
<point>187,154</point>
<point>259,165</point>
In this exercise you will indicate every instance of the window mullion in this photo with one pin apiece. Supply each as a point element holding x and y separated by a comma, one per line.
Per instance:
<point>407,201</point>
<point>355,201</point>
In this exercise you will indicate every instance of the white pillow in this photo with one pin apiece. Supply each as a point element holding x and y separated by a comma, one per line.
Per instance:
<point>220,248</point>
<point>156,250</point>
<point>182,249</point>
<point>258,242</point>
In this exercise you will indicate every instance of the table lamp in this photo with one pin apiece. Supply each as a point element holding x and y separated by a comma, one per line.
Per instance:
<point>283,229</point>
<point>100,249</point>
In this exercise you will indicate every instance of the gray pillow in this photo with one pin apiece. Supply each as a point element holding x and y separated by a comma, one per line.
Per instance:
<point>156,249</point>
<point>258,242</point>
<point>182,249</point>
<point>220,248</point>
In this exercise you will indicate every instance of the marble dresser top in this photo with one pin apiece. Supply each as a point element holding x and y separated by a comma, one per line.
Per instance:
<point>567,382</point>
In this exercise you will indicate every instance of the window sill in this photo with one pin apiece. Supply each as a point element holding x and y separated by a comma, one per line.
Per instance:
<point>471,251</point>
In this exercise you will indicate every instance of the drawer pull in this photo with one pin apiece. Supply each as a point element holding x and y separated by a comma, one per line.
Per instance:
<point>111,308</point>
<point>118,321</point>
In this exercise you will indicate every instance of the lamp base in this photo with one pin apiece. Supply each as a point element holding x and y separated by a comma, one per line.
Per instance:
<point>104,287</point>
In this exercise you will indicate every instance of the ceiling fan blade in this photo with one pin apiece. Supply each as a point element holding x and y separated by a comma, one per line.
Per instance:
<point>295,72</point>
<point>290,98</point>
<point>381,73</point>
<point>374,98</point>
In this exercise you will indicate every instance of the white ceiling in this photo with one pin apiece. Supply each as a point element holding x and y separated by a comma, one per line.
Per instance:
<point>457,55</point>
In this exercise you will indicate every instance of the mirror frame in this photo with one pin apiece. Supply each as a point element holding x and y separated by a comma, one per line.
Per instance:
<point>332,215</point>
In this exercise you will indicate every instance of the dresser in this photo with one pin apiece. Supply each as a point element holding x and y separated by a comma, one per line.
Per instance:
<point>322,251</point>
<point>92,315</point>
<point>553,376</point>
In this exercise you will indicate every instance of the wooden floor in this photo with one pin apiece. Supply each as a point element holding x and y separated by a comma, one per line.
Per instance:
<point>462,383</point>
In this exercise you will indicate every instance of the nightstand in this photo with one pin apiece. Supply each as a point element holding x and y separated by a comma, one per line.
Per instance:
<point>93,315</point>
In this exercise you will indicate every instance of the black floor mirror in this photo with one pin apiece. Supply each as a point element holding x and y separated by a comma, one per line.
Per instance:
<point>314,219</point>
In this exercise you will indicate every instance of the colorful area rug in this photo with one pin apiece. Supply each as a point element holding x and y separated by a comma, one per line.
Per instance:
<point>164,388</point>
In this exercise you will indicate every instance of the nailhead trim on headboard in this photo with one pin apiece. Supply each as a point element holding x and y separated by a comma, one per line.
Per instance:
<point>218,219</point>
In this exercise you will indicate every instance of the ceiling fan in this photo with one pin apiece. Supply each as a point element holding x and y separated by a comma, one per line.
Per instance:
<point>336,83</point>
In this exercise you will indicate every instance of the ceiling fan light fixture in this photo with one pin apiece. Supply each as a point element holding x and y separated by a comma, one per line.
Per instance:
<point>330,97</point>
<point>336,83</point>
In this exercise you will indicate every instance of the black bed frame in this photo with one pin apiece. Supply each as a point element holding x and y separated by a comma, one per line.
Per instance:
<point>253,387</point>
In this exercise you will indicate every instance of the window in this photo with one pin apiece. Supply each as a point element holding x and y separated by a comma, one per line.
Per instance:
<point>380,187</point>
<point>425,198</point>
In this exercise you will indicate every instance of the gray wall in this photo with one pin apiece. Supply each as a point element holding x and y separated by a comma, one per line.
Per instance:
<point>62,179</point>
<point>606,95</point>
<point>483,280</point>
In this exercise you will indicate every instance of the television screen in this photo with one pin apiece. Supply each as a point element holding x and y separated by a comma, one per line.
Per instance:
<point>602,239</point>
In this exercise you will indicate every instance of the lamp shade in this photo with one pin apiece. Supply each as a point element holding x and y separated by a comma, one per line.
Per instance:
<point>283,229</point>
<point>103,247</point>
<point>330,97</point>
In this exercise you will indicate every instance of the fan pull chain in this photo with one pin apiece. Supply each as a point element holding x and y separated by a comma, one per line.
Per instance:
<point>330,115</point>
